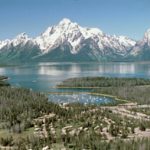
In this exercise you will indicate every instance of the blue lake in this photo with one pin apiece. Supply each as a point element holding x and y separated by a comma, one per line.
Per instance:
<point>44,77</point>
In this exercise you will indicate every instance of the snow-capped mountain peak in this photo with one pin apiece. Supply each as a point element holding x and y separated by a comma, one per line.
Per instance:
<point>20,39</point>
<point>75,35</point>
<point>147,37</point>
<point>65,31</point>
<point>142,44</point>
<point>65,21</point>
<point>22,36</point>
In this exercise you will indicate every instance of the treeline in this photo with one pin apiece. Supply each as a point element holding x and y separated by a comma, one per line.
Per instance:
<point>18,107</point>
<point>139,94</point>
<point>103,82</point>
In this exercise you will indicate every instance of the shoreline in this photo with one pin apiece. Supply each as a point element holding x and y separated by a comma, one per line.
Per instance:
<point>94,94</point>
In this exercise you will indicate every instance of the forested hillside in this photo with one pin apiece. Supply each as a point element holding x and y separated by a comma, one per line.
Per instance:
<point>28,120</point>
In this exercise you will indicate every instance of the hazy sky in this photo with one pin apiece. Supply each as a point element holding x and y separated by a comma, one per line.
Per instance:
<point>120,17</point>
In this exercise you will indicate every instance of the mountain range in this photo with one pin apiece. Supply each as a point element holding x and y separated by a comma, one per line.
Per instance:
<point>68,41</point>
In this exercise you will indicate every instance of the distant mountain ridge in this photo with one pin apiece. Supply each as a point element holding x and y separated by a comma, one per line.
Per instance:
<point>67,41</point>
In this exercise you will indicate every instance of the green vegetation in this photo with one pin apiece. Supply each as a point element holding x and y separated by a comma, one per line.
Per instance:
<point>141,110</point>
<point>29,121</point>
<point>103,82</point>
<point>139,94</point>
<point>131,89</point>
<point>19,106</point>
<point>3,81</point>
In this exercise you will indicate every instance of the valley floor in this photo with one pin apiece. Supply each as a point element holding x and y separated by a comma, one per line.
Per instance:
<point>30,121</point>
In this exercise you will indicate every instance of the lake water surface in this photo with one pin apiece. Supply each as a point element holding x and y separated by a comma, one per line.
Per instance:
<point>44,77</point>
